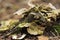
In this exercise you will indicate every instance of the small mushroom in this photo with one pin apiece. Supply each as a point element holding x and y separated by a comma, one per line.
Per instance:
<point>20,12</point>
<point>19,38</point>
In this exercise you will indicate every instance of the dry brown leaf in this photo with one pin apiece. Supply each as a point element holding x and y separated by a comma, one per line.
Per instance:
<point>43,38</point>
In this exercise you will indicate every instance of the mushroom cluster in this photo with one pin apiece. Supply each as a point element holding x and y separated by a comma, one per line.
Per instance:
<point>34,20</point>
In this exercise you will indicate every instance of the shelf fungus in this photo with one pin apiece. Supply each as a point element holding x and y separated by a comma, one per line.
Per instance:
<point>34,20</point>
<point>7,24</point>
<point>35,29</point>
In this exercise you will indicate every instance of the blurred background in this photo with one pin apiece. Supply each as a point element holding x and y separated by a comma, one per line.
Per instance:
<point>7,7</point>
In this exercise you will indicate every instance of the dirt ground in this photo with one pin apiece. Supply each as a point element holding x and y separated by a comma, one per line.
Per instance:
<point>8,7</point>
